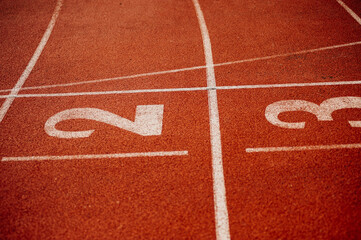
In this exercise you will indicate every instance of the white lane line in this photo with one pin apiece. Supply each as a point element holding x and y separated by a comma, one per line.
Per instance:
<point>352,13</point>
<point>219,189</point>
<point>303,148</point>
<point>6,105</point>
<point>111,79</point>
<point>97,156</point>
<point>285,85</point>
<point>185,69</point>
<point>109,92</point>
<point>289,54</point>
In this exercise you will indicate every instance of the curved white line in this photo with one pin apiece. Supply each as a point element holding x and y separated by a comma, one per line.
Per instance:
<point>6,105</point>
<point>219,189</point>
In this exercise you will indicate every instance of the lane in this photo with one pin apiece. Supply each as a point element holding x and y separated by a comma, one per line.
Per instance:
<point>150,197</point>
<point>22,26</point>
<point>96,40</point>
<point>304,194</point>
<point>121,198</point>
<point>247,29</point>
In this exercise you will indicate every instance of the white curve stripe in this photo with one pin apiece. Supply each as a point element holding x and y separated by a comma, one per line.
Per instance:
<point>303,148</point>
<point>97,156</point>
<point>186,69</point>
<point>352,13</point>
<point>6,105</point>
<point>286,85</point>
<point>219,189</point>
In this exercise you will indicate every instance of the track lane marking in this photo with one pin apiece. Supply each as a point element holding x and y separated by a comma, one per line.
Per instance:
<point>219,189</point>
<point>289,54</point>
<point>303,148</point>
<point>186,69</point>
<point>97,156</point>
<point>148,121</point>
<point>349,10</point>
<point>109,92</point>
<point>112,79</point>
<point>9,100</point>
<point>260,86</point>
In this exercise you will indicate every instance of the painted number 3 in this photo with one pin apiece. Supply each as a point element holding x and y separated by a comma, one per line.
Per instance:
<point>322,112</point>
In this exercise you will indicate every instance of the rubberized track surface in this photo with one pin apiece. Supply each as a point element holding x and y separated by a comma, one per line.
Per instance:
<point>209,120</point>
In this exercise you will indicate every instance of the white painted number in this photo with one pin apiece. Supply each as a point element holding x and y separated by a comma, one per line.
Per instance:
<point>148,121</point>
<point>322,112</point>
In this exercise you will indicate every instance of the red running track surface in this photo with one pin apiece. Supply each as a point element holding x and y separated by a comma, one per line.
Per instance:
<point>280,182</point>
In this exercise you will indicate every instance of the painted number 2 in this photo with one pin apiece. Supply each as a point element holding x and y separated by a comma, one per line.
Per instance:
<point>148,121</point>
<point>322,112</point>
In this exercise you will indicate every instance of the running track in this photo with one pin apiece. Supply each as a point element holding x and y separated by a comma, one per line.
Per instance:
<point>194,119</point>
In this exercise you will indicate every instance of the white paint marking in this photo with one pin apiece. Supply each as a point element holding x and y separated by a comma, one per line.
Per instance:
<point>148,121</point>
<point>289,54</point>
<point>219,189</point>
<point>185,69</point>
<point>96,156</point>
<point>6,105</point>
<point>352,13</point>
<point>111,79</point>
<point>72,94</point>
<point>286,85</point>
<point>322,112</point>
<point>303,148</point>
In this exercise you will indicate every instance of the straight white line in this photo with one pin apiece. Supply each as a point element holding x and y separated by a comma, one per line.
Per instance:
<point>71,94</point>
<point>352,13</point>
<point>288,54</point>
<point>219,189</point>
<point>6,105</point>
<point>303,148</point>
<point>286,85</point>
<point>186,69</point>
<point>96,156</point>
<point>111,79</point>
